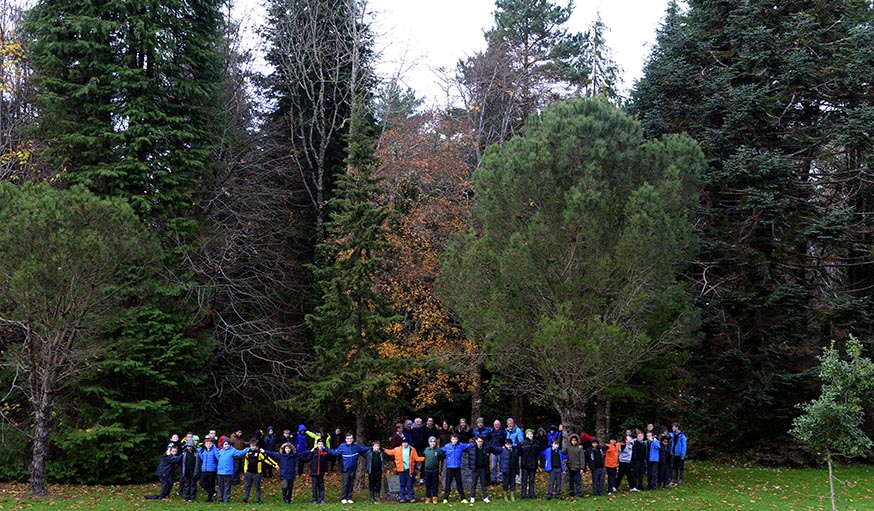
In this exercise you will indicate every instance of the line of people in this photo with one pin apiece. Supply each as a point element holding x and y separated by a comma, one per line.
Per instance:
<point>495,456</point>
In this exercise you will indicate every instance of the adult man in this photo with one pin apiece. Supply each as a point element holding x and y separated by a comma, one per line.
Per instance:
<point>420,442</point>
<point>239,444</point>
<point>348,456</point>
<point>514,433</point>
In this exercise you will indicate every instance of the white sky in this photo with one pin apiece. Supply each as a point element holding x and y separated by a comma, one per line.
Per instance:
<point>417,37</point>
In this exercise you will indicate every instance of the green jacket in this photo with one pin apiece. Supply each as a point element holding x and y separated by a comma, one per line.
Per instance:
<point>433,455</point>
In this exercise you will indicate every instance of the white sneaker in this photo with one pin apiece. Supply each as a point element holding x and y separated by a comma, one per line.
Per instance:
<point>634,489</point>
<point>471,500</point>
<point>486,500</point>
<point>349,501</point>
<point>344,501</point>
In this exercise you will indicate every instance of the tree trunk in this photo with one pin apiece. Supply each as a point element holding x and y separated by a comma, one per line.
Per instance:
<point>517,409</point>
<point>42,408</point>
<point>831,481</point>
<point>476,394</point>
<point>571,420</point>
<point>602,416</point>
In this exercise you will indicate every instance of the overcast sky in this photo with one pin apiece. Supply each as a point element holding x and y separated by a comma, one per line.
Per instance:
<point>417,37</point>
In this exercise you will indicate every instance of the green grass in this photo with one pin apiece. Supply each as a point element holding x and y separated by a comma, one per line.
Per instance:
<point>709,486</point>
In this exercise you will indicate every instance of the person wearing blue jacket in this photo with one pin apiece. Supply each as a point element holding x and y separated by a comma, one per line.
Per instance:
<point>497,442</point>
<point>553,462</point>
<point>514,433</point>
<point>208,455</point>
<point>225,469</point>
<point>652,466</point>
<point>454,449</point>
<point>165,472</point>
<point>678,453</point>
<point>301,445</point>
<point>348,454</point>
<point>287,458</point>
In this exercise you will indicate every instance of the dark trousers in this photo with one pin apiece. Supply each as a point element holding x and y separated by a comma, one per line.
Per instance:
<point>664,473</point>
<point>318,488</point>
<point>300,467</point>
<point>250,480</point>
<point>166,486</point>
<point>406,483</point>
<point>374,480</point>
<point>638,471</point>
<point>207,482</point>
<point>528,482</point>
<point>575,483</point>
<point>611,479</point>
<point>238,469</point>
<point>652,474</point>
<point>287,490</point>
<point>431,481</point>
<point>224,487</point>
<point>509,480</point>
<point>625,471</point>
<point>554,488</point>
<point>480,476</point>
<point>348,479</point>
<point>598,481</point>
<point>453,474</point>
<point>188,484</point>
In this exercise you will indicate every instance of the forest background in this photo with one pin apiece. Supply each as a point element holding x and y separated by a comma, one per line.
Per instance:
<point>189,243</point>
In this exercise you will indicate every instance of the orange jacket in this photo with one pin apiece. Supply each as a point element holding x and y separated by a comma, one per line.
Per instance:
<point>611,458</point>
<point>398,453</point>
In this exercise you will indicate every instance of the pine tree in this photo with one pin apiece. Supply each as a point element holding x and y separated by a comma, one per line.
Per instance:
<point>777,93</point>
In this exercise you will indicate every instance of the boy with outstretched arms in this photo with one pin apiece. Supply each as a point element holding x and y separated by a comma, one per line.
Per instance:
<point>553,463</point>
<point>169,460</point>
<point>405,458</point>
<point>318,458</point>
<point>596,463</point>
<point>529,455</point>
<point>639,455</point>
<point>225,468</point>
<point>652,473</point>
<point>347,455</point>
<point>254,462</point>
<point>208,455</point>
<point>576,464</point>
<point>478,462</point>
<point>625,451</point>
<point>374,466</point>
<point>433,455</point>
<point>453,450</point>
<point>611,464</point>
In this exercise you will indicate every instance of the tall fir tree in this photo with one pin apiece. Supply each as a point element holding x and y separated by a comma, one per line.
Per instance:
<point>778,94</point>
<point>127,98</point>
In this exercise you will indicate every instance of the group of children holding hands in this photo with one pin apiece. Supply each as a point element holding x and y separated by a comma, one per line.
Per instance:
<point>657,457</point>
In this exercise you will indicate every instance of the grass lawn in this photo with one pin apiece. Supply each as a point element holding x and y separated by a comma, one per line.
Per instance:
<point>708,486</point>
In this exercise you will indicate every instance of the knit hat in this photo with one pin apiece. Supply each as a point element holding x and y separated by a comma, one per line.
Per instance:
<point>529,430</point>
<point>479,420</point>
<point>405,441</point>
<point>189,443</point>
<point>431,439</point>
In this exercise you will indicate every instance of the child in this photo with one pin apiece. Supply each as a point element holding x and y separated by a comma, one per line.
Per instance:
<point>652,473</point>
<point>433,455</point>
<point>508,463</point>
<point>529,454</point>
<point>553,462</point>
<point>190,472</point>
<point>478,462</point>
<point>318,459</point>
<point>374,467</point>
<point>596,463</point>
<point>287,457</point>
<point>638,461</point>
<point>253,467</point>
<point>406,458</point>
<point>611,463</point>
<point>347,454</point>
<point>453,450</point>
<point>208,455</point>
<point>225,469</point>
<point>576,464</point>
<point>165,472</point>
<point>665,462</point>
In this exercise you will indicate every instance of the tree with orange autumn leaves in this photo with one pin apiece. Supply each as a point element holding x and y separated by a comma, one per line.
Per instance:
<point>426,180</point>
